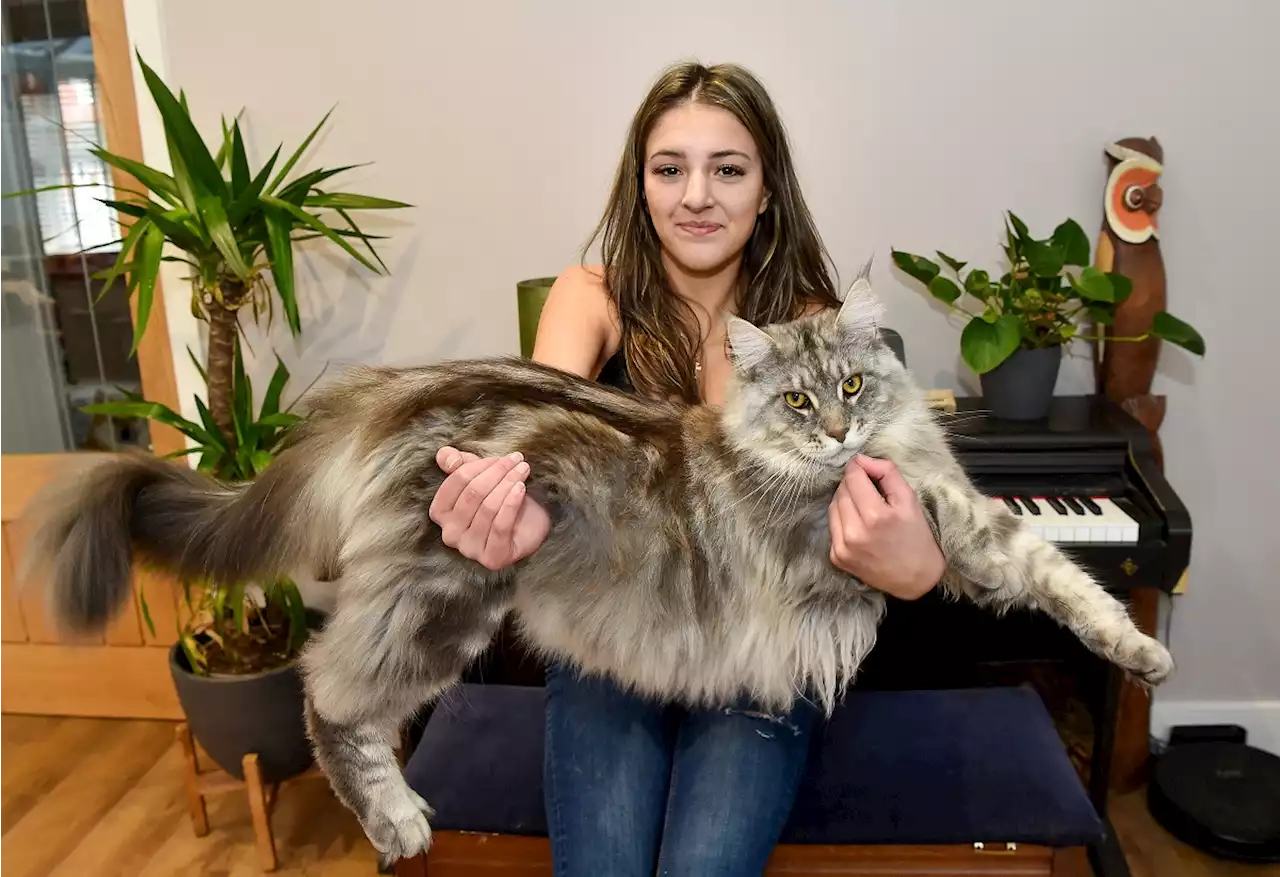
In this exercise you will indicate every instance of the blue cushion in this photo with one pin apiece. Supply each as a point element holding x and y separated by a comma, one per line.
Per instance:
<point>902,767</point>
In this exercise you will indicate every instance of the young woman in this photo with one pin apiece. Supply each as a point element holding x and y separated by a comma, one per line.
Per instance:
<point>706,214</point>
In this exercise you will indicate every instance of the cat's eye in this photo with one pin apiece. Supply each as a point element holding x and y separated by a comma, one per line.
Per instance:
<point>852,385</point>
<point>797,401</point>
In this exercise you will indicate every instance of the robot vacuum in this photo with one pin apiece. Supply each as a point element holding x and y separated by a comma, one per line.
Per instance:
<point>1214,792</point>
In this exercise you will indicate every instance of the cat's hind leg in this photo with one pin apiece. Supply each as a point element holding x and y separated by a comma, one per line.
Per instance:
<point>996,561</point>
<point>403,631</point>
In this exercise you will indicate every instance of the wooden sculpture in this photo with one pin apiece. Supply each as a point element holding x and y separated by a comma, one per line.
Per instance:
<point>1130,245</point>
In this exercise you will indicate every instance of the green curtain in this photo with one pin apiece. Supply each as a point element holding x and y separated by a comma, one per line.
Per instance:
<point>530,295</point>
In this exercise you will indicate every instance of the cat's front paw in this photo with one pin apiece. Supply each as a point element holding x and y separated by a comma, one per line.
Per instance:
<point>1144,659</point>
<point>397,826</point>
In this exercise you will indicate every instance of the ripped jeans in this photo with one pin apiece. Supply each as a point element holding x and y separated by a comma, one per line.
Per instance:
<point>635,788</point>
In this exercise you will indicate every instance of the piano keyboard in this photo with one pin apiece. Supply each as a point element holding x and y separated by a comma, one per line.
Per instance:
<point>1073,518</point>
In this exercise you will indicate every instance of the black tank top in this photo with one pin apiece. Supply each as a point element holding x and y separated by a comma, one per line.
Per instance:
<point>614,373</point>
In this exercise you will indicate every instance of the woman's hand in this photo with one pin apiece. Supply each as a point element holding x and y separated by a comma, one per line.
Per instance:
<point>483,511</point>
<point>883,540</point>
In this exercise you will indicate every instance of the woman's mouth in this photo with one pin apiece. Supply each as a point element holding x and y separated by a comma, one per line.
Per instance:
<point>699,229</point>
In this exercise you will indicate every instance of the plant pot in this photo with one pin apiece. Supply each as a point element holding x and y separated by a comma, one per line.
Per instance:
<point>232,716</point>
<point>530,297</point>
<point>1021,387</point>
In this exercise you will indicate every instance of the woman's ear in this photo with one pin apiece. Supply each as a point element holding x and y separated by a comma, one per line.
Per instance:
<point>764,204</point>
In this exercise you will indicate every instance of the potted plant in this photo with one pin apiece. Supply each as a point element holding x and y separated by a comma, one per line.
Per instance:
<point>1047,298</point>
<point>233,226</point>
<point>234,662</point>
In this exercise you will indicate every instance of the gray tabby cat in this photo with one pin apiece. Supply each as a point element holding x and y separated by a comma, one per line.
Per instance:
<point>688,558</point>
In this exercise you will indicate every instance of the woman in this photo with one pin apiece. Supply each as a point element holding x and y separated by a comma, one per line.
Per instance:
<point>705,214</point>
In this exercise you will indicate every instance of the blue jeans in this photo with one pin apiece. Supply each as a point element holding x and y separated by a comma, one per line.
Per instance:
<point>636,788</point>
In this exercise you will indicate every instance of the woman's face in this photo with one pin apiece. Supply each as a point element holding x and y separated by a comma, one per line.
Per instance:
<point>704,185</point>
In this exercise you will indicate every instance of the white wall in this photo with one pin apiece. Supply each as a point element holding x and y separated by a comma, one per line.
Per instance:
<point>915,124</point>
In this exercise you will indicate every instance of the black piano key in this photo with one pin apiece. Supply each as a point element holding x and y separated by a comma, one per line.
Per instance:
<point>1013,506</point>
<point>1030,504</point>
<point>1057,505</point>
<point>1091,505</point>
<point>1074,504</point>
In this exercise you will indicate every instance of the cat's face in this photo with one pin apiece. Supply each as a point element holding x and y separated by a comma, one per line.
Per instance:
<point>808,395</point>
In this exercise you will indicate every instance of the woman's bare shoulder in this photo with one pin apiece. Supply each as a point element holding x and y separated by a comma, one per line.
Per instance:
<point>578,329</point>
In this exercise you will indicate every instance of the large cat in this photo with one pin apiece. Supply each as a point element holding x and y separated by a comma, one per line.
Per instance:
<point>688,558</point>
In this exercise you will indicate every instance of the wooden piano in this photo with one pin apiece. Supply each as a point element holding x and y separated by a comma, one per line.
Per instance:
<point>1085,477</point>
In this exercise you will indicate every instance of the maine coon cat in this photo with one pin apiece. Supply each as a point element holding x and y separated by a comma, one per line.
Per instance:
<point>688,558</point>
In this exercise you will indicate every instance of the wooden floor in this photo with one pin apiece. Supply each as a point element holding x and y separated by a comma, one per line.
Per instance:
<point>105,798</point>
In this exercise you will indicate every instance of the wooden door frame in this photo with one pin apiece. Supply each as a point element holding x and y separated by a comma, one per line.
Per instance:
<point>126,672</point>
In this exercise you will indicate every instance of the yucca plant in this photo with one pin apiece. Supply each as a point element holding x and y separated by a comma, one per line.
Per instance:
<point>233,225</point>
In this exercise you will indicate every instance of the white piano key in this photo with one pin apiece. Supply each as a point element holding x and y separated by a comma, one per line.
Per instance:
<point>1113,525</point>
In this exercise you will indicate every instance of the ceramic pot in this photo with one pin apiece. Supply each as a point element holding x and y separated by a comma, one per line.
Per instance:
<point>1021,387</point>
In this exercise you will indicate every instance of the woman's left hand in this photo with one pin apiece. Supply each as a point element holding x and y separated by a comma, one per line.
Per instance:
<point>883,540</point>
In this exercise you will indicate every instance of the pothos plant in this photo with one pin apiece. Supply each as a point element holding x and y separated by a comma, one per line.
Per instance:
<point>245,627</point>
<point>1046,298</point>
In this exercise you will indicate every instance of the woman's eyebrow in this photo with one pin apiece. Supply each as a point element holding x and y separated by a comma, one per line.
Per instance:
<point>722,153</point>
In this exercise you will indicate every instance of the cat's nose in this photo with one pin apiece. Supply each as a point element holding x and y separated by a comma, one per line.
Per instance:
<point>836,430</point>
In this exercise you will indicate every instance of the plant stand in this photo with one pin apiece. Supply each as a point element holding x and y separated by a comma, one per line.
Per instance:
<point>201,784</point>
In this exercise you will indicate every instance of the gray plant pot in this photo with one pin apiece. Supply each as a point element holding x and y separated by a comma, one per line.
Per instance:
<point>1021,387</point>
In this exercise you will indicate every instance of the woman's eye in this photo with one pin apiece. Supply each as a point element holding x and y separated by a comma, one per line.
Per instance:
<point>666,170</point>
<point>730,170</point>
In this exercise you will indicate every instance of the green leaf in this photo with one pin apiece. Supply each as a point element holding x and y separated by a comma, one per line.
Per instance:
<point>1121,286</point>
<point>983,345</point>
<point>129,208</point>
<point>1165,325</point>
<point>247,201</point>
<point>916,266</point>
<point>317,225</point>
<point>1020,227</point>
<point>1101,315</point>
<point>296,192</point>
<point>953,264</point>
<point>280,420</point>
<point>1074,243</point>
<point>146,610</point>
<point>148,268</point>
<point>349,201</point>
<point>281,249</point>
<point>944,289</point>
<point>271,400</point>
<point>1045,260</point>
<point>239,162</point>
<point>260,460</point>
<point>220,230</point>
<point>216,438</point>
<point>187,141</point>
<point>978,284</point>
<point>297,153</point>
<point>1093,285</point>
<point>366,238</point>
<point>160,183</point>
<point>242,397</point>
<point>150,411</point>
<point>132,236</point>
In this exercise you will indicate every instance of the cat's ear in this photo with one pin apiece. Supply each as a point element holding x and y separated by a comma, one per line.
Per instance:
<point>748,345</point>
<point>860,313</point>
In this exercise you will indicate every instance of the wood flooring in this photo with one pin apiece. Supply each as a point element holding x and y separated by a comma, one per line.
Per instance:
<point>105,797</point>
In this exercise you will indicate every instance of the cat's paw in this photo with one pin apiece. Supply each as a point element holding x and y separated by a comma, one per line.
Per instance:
<point>1144,659</point>
<point>397,826</point>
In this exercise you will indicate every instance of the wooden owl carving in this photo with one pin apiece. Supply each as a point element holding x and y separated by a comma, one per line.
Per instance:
<point>1130,244</point>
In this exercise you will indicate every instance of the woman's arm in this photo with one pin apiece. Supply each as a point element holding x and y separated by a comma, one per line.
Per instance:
<point>481,508</point>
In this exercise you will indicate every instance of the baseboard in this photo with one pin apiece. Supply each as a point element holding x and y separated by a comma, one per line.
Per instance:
<point>1260,718</point>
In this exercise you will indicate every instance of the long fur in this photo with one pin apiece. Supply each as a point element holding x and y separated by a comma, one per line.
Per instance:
<point>688,557</point>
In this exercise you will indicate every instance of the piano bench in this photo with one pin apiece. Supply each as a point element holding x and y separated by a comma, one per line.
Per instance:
<point>970,781</point>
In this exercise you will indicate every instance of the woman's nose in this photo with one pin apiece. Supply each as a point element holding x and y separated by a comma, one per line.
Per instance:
<point>697,194</point>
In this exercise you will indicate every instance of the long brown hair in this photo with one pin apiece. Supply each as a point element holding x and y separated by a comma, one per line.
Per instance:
<point>784,267</point>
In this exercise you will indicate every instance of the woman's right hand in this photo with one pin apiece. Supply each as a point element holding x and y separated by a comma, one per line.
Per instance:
<point>483,511</point>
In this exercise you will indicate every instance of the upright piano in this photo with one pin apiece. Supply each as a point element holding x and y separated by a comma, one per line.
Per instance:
<point>1085,477</point>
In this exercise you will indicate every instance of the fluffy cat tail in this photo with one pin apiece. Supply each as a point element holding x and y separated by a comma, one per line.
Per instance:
<point>94,526</point>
